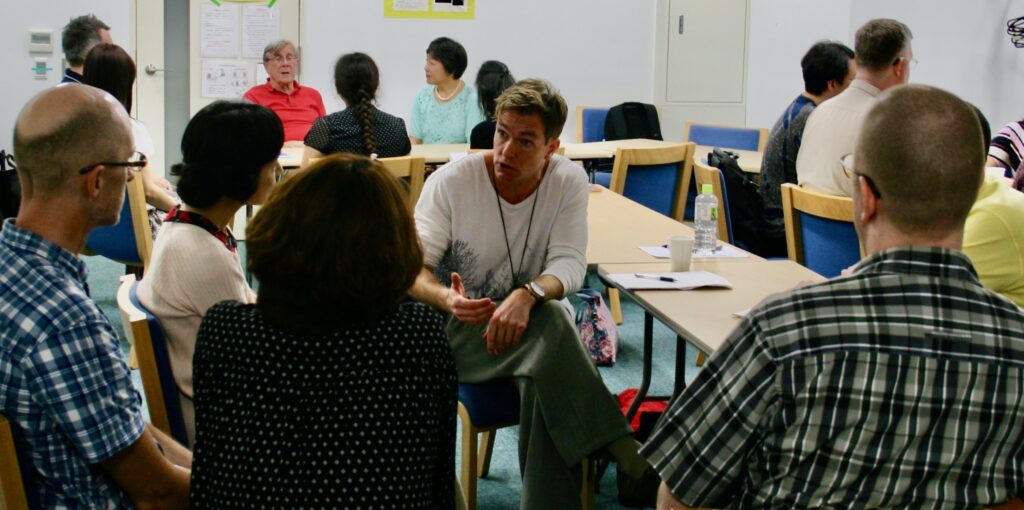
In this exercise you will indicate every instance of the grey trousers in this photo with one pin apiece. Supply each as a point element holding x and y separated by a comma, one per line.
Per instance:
<point>566,411</point>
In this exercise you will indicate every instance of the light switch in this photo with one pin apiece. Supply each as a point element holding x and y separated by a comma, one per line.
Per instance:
<point>40,41</point>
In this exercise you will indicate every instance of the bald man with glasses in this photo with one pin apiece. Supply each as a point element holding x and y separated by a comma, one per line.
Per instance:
<point>64,381</point>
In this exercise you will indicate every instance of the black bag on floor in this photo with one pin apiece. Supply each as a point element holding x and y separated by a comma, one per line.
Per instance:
<point>746,208</point>
<point>10,190</point>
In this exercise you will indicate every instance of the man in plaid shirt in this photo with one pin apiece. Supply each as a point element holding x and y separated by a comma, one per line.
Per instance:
<point>64,381</point>
<point>899,385</point>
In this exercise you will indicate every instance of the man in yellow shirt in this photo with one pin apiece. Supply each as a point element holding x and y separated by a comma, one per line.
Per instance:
<point>994,238</point>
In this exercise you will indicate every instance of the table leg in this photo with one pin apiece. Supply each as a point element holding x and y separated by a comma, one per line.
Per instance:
<point>680,382</point>
<point>645,382</point>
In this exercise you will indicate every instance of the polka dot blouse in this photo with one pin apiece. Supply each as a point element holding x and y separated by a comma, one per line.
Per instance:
<point>361,418</point>
<point>342,132</point>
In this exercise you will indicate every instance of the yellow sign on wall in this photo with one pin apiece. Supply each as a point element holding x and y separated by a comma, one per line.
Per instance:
<point>436,9</point>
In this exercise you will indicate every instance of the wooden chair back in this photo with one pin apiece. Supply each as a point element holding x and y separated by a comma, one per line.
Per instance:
<point>828,220</point>
<point>147,338</point>
<point>731,137</point>
<point>12,482</point>
<point>411,167</point>
<point>590,123</point>
<point>130,242</point>
<point>681,156</point>
<point>706,174</point>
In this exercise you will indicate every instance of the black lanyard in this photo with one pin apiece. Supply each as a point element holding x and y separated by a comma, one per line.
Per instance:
<point>529,226</point>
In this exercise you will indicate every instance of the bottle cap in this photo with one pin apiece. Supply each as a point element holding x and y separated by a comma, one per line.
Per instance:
<point>707,188</point>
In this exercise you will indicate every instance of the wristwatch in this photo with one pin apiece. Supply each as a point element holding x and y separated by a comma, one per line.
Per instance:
<point>536,291</point>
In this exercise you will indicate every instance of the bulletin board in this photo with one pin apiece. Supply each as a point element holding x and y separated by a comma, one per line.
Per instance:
<point>431,9</point>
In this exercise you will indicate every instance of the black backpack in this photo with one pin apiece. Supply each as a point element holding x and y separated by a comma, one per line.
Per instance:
<point>632,120</point>
<point>746,208</point>
<point>10,189</point>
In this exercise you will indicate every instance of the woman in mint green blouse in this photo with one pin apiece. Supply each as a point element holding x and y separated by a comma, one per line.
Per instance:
<point>447,109</point>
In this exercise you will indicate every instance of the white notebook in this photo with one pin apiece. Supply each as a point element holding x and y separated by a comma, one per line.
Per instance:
<point>670,281</point>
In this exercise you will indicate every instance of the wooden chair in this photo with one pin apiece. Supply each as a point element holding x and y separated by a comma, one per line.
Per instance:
<point>147,337</point>
<point>706,174</point>
<point>731,137</point>
<point>410,167</point>
<point>590,123</point>
<point>819,230</point>
<point>660,177</point>
<point>483,409</point>
<point>15,472</point>
<point>130,242</point>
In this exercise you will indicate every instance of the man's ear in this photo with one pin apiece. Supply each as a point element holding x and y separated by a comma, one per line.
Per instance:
<point>868,200</point>
<point>553,146</point>
<point>93,183</point>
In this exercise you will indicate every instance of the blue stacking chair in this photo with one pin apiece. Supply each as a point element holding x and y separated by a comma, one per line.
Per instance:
<point>742,138</point>
<point>654,177</point>
<point>130,242</point>
<point>483,409</point>
<point>150,344</point>
<point>590,123</point>
<point>819,230</point>
<point>17,476</point>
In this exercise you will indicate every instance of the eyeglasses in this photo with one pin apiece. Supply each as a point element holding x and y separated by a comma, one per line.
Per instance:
<point>277,59</point>
<point>847,163</point>
<point>135,163</point>
<point>911,61</point>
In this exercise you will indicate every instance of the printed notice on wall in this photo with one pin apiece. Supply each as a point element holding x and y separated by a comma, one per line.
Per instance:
<point>219,31</point>
<point>260,26</point>
<point>226,78</point>
<point>437,9</point>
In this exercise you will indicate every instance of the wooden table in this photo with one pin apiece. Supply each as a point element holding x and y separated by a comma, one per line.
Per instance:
<point>291,156</point>
<point>439,152</point>
<point>618,226</point>
<point>704,317</point>
<point>750,161</point>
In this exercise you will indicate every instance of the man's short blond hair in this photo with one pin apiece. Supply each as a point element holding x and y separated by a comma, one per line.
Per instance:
<point>539,97</point>
<point>923,148</point>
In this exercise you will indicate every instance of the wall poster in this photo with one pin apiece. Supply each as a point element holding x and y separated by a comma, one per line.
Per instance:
<point>435,9</point>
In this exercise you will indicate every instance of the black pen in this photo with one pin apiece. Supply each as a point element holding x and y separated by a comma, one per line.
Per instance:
<point>654,277</point>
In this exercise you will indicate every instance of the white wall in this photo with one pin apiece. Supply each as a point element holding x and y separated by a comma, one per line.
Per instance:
<point>597,52</point>
<point>781,31</point>
<point>960,46</point>
<point>17,81</point>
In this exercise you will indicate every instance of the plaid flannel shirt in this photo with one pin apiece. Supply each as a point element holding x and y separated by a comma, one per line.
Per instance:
<point>64,382</point>
<point>901,385</point>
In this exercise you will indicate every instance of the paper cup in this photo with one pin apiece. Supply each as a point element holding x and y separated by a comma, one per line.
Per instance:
<point>680,250</point>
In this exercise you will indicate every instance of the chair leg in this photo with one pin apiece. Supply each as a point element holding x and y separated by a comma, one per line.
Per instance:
<point>701,359</point>
<point>133,359</point>
<point>469,467</point>
<point>589,485</point>
<point>486,448</point>
<point>614,305</point>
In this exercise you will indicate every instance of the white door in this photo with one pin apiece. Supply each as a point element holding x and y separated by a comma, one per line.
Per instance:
<point>707,42</point>
<point>149,86</point>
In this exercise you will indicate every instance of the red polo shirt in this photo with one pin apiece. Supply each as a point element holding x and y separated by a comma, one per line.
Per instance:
<point>297,110</point>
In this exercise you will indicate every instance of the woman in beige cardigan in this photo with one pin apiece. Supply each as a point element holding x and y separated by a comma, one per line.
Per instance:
<point>230,152</point>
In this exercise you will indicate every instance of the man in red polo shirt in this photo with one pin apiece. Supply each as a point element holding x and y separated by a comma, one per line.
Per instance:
<point>297,106</point>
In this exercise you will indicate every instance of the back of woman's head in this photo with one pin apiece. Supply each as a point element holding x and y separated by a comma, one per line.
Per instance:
<point>356,78</point>
<point>336,242</point>
<point>224,148</point>
<point>491,80</point>
<point>108,67</point>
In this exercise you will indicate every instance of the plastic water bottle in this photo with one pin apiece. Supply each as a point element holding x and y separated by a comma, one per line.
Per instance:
<point>705,222</point>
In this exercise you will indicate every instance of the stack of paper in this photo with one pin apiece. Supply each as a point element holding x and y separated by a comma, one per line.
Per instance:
<point>673,281</point>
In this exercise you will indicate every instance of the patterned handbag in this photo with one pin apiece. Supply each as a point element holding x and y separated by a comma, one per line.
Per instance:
<point>597,329</point>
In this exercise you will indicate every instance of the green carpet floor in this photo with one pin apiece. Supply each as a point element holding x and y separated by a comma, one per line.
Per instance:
<point>500,490</point>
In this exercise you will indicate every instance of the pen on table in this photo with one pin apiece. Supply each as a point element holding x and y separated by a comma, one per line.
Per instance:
<point>655,277</point>
<point>717,248</point>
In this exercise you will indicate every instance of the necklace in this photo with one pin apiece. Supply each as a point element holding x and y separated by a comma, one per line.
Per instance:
<point>529,226</point>
<point>437,93</point>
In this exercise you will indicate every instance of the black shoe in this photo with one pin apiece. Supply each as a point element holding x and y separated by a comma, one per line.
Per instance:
<point>638,492</point>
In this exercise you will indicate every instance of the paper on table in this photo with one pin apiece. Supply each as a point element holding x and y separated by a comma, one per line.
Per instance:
<point>725,251</point>
<point>683,281</point>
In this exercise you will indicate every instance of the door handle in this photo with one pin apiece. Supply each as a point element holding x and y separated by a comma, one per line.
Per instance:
<point>152,69</point>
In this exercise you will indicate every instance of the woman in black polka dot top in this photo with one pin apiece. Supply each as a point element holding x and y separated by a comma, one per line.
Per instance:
<point>328,392</point>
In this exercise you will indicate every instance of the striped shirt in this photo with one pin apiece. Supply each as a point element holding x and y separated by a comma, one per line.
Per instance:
<point>64,381</point>
<point>900,386</point>
<point>1007,147</point>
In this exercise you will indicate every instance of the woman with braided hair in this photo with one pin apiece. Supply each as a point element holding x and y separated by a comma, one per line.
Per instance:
<point>360,128</point>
